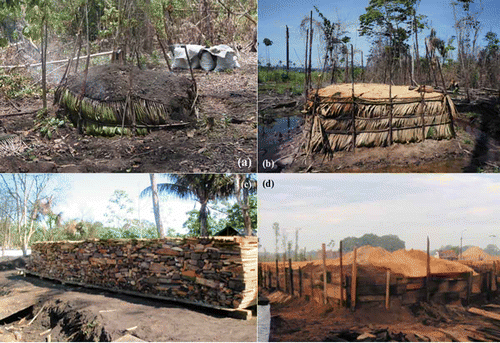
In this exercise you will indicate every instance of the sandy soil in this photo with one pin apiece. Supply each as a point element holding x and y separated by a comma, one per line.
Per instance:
<point>295,319</point>
<point>475,148</point>
<point>224,134</point>
<point>78,314</point>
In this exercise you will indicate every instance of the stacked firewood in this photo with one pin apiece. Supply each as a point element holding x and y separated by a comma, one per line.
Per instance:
<point>219,272</point>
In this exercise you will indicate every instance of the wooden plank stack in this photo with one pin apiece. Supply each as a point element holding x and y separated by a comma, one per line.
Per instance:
<point>213,271</point>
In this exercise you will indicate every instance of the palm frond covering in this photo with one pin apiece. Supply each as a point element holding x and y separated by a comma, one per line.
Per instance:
<point>339,118</point>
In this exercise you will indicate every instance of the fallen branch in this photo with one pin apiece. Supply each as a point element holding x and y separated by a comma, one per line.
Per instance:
<point>45,332</point>
<point>56,62</point>
<point>18,114</point>
<point>31,321</point>
<point>484,313</point>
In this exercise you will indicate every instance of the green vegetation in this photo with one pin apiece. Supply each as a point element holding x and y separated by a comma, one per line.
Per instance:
<point>16,84</point>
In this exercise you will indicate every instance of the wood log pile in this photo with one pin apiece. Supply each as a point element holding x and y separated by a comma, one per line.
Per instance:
<point>220,272</point>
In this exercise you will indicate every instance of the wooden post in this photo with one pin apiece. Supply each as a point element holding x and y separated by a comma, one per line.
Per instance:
<point>341,277</point>
<point>428,274</point>
<point>300,282</point>
<point>287,50</point>
<point>305,67</point>
<point>469,287</point>
<point>260,278</point>
<point>452,127</point>
<point>354,281</point>
<point>310,45</point>
<point>387,288</point>
<point>362,68</point>
<point>352,69</point>
<point>495,286</point>
<point>312,284</point>
<point>421,107</point>
<point>291,275</point>
<point>390,111</point>
<point>285,275</point>
<point>323,246</point>
<point>352,107</point>
<point>277,274</point>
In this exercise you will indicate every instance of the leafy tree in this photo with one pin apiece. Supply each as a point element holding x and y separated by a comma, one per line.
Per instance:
<point>267,42</point>
<point>193,224</point>
<point>201,187</point>
<point>119,209</point>
<point>33,200</point>
<point>332,33</point>
<point>492,249</point>
<point>388,242</point>
<point>391,21</point>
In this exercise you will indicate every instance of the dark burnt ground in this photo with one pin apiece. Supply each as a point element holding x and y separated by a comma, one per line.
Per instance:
<point>75,314</point>
<point>224,132</point>
<point>297,320</point>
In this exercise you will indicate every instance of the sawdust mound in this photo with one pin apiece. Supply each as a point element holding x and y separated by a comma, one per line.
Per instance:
<point>112,82</point>
<point>477,254</point>
<point>410,263</point>
<point>372,91</point>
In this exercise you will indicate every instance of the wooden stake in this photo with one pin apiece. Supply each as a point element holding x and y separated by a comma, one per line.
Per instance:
<point>310,46</point>
<point>428,269</point>
<point>323,247</point>
<point>191,69</point>
<point>469,287</point>
<point>387,288</point>
<point>305,66</point>
<point>287,50</point>
<point>341,277</point>
<point>277,275</point>
<point>353,106</point>
<point>300,282</point>
<point>291,275</point>
<point>165,56</point>
<point>354,281</point>
<point>312,284</point>
<point>285,275</point>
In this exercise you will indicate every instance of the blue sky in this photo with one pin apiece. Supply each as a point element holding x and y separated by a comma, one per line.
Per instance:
<point>275,14</point>
<point>87,196</point>
<point>412,206</point>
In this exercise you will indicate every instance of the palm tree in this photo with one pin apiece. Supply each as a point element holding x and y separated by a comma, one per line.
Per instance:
<point>156,206</point>
<point>267,42</point>
<point>200,187</point>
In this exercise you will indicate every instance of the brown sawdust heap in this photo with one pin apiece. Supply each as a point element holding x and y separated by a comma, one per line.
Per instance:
<point>410,263</point>
<point>477,254</point>
<point>372,91</point>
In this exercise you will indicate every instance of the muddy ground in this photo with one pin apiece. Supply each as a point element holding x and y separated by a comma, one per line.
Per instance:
<point>294,319</point>
<point>76,314</point>
<point>224,134</point>
<point>476,147</point>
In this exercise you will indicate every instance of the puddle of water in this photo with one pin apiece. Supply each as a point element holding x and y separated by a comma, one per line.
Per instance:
<point>263,323</point>
<point>278,132</point>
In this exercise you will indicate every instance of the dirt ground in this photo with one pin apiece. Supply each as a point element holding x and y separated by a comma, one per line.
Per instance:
<point>224,134</point>
<point>298,320</point>
<point>476,147</point>
<point>77,314</point>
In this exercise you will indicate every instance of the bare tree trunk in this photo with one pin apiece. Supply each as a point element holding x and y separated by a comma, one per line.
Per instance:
<point>243,201</point>
<point>44,37</point>
<point>417,56</point>
<point>156,206</point>
<point>203,218</point>
<point>346,76</point>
